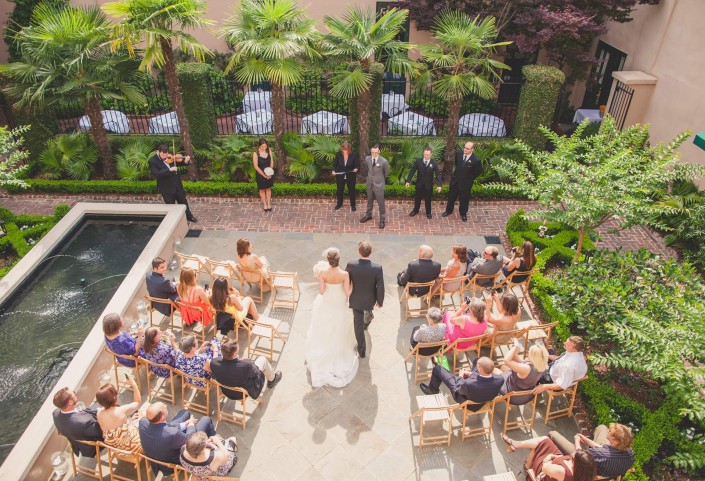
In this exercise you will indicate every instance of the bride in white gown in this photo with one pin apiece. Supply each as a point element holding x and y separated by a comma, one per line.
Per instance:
<point>330,343</point>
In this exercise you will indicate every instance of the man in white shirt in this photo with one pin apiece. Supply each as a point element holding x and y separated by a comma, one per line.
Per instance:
<point>567,368</point>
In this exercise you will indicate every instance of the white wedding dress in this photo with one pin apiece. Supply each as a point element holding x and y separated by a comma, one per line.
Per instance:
<point>330,343</point>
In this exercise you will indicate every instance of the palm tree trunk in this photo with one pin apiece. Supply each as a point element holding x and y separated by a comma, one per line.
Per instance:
<point>100,137</point>
<point>451,136</point>
<point>172,84</point>
<point>279,124</point>
<point>363,112</point>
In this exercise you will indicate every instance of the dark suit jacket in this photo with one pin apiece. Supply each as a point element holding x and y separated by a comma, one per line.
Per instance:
<point>368,284</point>
<point>79,426</point>
<point>424,179</point>
<point>168,182</point>
<point>465,173</point>
<point>163,441</point>
<point>477,388</point>
<point>419,270</point>
<point>353,163</point>
<point>163,288</point>
<point>238,373</point>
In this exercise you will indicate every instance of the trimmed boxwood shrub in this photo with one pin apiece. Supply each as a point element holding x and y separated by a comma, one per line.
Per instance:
<point>537,103</point>
<point>194,78</point>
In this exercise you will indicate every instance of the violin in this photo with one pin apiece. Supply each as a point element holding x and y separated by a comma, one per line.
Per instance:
<point>171,158</point>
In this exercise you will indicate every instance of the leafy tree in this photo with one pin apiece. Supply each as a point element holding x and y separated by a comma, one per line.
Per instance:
<point>12,158</point>
<point>20,17</point>
<point>584,182</point>
<point>64,55</point>
<point>460,64</point>
<point>157,24</point>
<point>271,40</point>
<point>358,42</point>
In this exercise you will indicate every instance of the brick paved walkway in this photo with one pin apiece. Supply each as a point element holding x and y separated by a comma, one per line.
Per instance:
<point>485,217</point>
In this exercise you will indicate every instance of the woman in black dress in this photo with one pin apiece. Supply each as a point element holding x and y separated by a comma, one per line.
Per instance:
<point>345,167</point>
<point>262,159</point>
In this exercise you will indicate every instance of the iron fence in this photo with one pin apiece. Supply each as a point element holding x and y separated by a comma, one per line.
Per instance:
<point>621,101</point>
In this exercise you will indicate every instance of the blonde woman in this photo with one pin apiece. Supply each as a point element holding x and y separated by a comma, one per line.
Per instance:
<point>196,297</point>
<point>523,375</point>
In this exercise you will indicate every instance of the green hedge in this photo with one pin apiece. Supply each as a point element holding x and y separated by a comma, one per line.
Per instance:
<point>537,103</point>
<point>228,189</point>
<point>604,403</point>
<point>43,127</point>
<point>194,78</point>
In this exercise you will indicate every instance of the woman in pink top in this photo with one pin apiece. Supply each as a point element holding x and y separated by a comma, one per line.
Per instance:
<point>460,325</point>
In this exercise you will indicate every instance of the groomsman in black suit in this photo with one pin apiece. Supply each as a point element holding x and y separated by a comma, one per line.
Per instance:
<point>467,168</point>
<point>426,169</point>
<point>76,425</point>
<point>368,292</point>
<point>168,179</point>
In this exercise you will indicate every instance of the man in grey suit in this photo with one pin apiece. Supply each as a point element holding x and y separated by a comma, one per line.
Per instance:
<point>377,173</point>
<point>367,281</point>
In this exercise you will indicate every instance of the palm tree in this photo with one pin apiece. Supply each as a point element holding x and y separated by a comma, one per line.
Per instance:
<point>156,24</point>
<point>271,40</point>
<point>460,64</point>
<point>64,56</point>
<point>359,42</point>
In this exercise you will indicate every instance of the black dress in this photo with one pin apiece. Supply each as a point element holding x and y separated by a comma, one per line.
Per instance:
<point>263,163</point>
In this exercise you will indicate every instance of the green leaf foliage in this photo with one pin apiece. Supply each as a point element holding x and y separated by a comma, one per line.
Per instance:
<point>69,156</point>
<point>537,102</point>
<point>194,78</point>
<point>133,159</point>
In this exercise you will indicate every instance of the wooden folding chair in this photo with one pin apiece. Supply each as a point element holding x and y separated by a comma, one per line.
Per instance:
<point>433,408</point>
<point>570,398</point>
<point>190,382</point>
<point>536,332</point>
<point>616,478</point>
<point>222,400</point>
<point>416,352</point>
<point>263,328</point>
<point>485,431</point>
<point>159,391</point>
<point>514,399</point>
<point>151,301</point>
<point>178,472</point>
<point>504,338</point>
<point>78,468</point>
<point>406,297</point>
<point>475,284</point>
<point>285,281</point>
<point>115,454</point>
<point>254,277</point>
<point>226,269</point>
<point>198,329</point>
<point>198,263</point>
<point>463,345</point>
<point>523,286</point>
<point>444,291</point>
<point>135,370</point>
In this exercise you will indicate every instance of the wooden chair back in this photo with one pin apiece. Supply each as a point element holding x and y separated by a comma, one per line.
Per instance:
<point>263,328</point>
<point>287,282</point>
<point>570,398</point>
<point>484,431</point>
<point>78,468</point>
<point>446,288</point>
<point>190,402</point>
<point>156,300</point>
<point>433,408</point>
<point>198,329</point>
<point>424,298</point>
<point>226,269</point>
<point>538,333</point>
<point>179,473</point>
<point>439,347</point>
<point>253,277</point>
<point>523,422</point>
<point>474,286</point>
<point>522,287</point>
<point>504,338</point>
<point>119,380</point>
<point>163,386</point>
<point>193,261</point>
<point>116,455</point>
<point>222,400</point>
<point>469,344</point>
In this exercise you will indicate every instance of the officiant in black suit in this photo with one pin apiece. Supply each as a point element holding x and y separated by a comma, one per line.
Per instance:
<point>367,281</point>
<point>467,168</point>
<point>427,169</point>
<point>163,167</point>
<point>345,167</point>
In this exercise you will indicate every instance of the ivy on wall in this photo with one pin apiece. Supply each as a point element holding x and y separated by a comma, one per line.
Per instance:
<point>537,103</point>
<point>194,78</point>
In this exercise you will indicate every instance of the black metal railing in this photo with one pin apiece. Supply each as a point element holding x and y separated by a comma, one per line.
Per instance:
<point>621,101</point>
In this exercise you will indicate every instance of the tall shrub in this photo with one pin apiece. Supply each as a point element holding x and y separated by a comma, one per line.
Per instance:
<point>194,78</point>
<point>537,103</point>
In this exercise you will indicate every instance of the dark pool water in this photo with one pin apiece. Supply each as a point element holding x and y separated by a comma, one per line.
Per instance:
<point>44,324</point>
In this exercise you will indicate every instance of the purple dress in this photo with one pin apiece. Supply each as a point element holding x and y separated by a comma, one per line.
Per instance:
<point>162,353</point>
<point>124,344</point>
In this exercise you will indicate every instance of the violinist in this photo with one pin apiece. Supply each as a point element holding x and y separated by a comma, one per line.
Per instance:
<point>164,167</point>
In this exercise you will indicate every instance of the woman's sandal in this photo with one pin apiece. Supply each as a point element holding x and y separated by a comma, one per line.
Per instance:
<point>510,444</point>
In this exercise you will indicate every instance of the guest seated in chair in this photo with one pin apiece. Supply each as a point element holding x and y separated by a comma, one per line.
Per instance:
<point>478,385</point>
<point>195,296</point>
<point>205,456</point>
<point>611,448</point>
<point>232,371</point>
<point>459,324</point>
<point>457,267</point>
<point>121,342</point>
<point>76,425</point>
<point>549,464</point>
<point>160,352</point>
<point>160,287</point>
<point>509,315</point>
<point>116,421</point>
<point>423,269</point>
<point>520,260</point>
<point>194,362</point>
<point>523,375</point>
<point>434,331</point>
<point>163,440</point>
<point>567,369</point>
<point>488,263</point>
<point>247,259</point>
<point>227,299</point>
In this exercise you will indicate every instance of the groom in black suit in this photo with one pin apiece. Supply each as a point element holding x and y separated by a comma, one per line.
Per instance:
<point>168,179</point>
<point>467,167</point>
<point>368,291</point>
